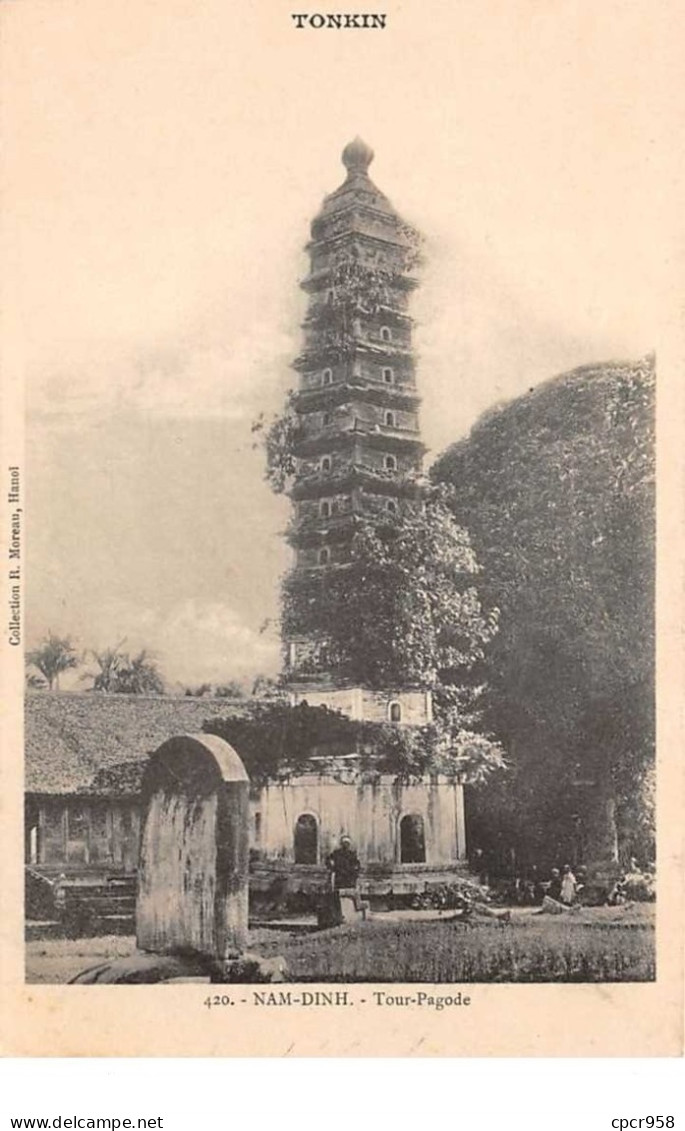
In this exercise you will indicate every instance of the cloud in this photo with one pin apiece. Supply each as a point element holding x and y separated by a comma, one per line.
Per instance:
<point>200,642</point>
<point>193,642</point>
<point>200,380</point>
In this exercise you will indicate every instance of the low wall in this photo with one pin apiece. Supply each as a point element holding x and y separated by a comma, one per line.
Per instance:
<point>281,887</point>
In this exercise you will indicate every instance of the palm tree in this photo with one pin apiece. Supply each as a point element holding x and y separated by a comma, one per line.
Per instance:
<point>55,655</point>
<point>140,676</point>
<point>110,662</point>
<point>123,675</point>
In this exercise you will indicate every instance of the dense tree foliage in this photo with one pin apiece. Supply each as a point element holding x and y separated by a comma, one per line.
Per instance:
<point>279,436</point>
<point>404,610</point>
<point>557,492</point>
<point>276,741</point>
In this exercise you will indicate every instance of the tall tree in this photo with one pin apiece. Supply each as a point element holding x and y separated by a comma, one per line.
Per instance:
<point>56,654</point>
<point>120,673</point>
<point>140,676</point>
<point>109,662</point>
<point>557,491</point>
<point>404,612</point>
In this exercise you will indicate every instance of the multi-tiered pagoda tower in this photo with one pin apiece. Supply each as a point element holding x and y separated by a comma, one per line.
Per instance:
<point>358,453</point>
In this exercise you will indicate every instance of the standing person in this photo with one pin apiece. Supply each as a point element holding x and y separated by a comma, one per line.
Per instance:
<point>344,868</point>
<point>617,895</point>
<point>581,883</point>
<point>554,886</point>
<point>568,886</point>
<point>481,867</point>
<point>343,864</point>
<point>538,888</point>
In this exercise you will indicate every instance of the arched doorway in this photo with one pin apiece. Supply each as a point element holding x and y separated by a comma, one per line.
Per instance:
<point>306,839</point>
<point>412,840</point>
<point>32,841</point>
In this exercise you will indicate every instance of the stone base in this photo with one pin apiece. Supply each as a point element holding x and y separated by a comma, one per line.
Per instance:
<point>353,908</point>
<point>272,881</point>
<point>150,969</point>
<point>144,969</point>
<point>278,888</point>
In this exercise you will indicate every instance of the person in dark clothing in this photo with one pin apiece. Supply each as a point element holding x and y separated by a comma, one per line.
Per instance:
<point>343,864</point>
<point>617,895</point>
<point>480,866</point>
<point>344,868</point>
<point>554,888</point>
<point>537,884</point>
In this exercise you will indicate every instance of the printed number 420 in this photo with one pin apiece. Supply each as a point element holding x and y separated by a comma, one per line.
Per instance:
<point>218,999</point>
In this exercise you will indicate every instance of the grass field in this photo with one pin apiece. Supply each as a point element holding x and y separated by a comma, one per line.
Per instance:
<point>596,945</point>
<point>588,948</point>
<point>55,961</point>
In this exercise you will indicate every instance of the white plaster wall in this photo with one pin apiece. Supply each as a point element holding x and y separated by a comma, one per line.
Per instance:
<point>369,813</point>
<point>373,706</point>
<point>416,706</point>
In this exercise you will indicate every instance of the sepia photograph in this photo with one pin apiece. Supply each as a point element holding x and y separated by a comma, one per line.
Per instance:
<point>334,529</point>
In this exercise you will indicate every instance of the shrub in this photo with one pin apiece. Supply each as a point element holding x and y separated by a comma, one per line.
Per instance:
<point>640,886</point>
<point>457,895</point>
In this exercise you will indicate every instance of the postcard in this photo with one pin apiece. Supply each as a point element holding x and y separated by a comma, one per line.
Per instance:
<point>341,502</point>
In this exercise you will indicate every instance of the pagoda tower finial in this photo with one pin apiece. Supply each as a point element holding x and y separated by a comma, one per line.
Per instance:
<point>357,156</point>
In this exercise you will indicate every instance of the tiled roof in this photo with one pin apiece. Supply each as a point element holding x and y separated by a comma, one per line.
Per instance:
<point>81,742</point>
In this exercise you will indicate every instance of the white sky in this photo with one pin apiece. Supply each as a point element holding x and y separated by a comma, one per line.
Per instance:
<point>163,161</point>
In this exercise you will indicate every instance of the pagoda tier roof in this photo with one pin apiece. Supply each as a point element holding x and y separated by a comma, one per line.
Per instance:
<point>350,224</point>
<point>317,280</point>
<point>379,393</point>
<point>321,483</point>
<point>317,568</point>
<point>375,436</point>
<point>317,531</point>
<point>333,349</point>
<point>357,190</point>
<point>335,533</point>
<point>320,312</point>
<point>357,193</point>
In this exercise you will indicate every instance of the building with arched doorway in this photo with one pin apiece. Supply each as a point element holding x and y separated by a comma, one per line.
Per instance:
<point>85,756</point>
<point>404,833</point>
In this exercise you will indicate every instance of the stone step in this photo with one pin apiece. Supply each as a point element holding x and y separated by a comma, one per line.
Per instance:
<point>38,929</point>
<point>114,925</point>
<point>99,889</point>
<point>102,904</point>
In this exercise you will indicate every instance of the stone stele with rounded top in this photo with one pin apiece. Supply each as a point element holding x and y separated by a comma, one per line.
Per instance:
<point>194,853</point>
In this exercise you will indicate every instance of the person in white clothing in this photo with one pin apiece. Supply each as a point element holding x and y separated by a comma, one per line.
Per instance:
<point>568,886</point>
